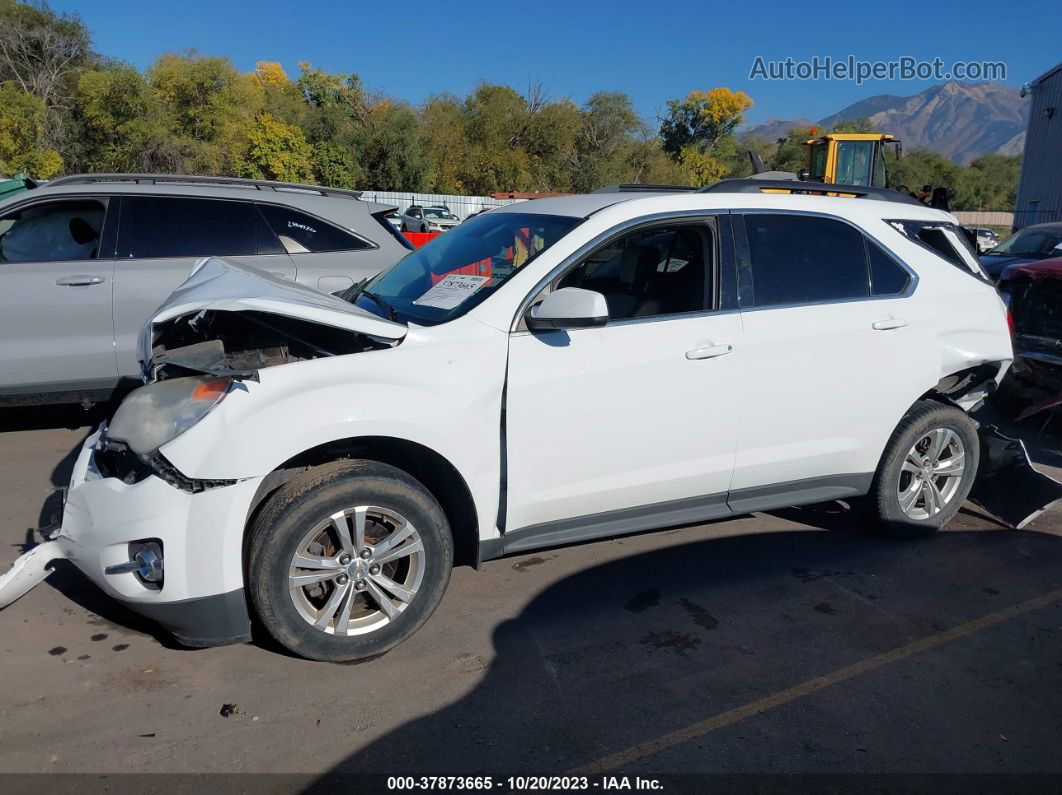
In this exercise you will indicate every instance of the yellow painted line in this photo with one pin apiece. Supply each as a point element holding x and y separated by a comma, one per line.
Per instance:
<point>703,727</point>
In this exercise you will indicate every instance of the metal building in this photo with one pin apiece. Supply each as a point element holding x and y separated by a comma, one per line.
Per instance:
<point>1040,189</point>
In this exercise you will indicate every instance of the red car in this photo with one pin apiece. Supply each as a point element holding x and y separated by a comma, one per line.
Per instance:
<point>1033,294</point>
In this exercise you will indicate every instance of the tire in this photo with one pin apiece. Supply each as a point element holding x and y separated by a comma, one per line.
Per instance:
<point>338,580</point>
<point>927,425</point>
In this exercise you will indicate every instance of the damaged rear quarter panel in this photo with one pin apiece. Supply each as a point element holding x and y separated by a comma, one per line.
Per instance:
<point>965,320</point>
<point>441,390</point>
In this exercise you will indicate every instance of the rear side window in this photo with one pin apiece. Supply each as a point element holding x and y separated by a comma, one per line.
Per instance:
<point>804,259</point>
<point>153,227</point>
<point>886,276</point>
<point>302,234</point>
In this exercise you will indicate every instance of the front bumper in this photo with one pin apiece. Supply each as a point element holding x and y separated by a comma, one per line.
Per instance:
<point>201,600</point>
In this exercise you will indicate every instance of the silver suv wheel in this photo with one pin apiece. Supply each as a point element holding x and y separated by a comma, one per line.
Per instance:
<point>356,571</point>
<point>931,473</point>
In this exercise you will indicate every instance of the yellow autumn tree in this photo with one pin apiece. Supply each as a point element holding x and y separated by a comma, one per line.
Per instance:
<point>275,150</point>
<point>695,128</point>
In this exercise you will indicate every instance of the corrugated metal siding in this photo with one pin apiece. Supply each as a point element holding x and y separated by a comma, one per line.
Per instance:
<point>1040,189</point>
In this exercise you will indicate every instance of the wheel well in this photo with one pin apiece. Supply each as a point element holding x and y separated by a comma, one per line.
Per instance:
<point>953,388</point>
<point>438,476</point>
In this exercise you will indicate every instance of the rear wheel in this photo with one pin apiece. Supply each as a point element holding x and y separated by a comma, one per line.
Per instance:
<point>927,470</point>
<point>347,560</point>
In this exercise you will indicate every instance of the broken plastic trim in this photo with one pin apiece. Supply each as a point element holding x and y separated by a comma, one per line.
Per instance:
<point>114,459</point>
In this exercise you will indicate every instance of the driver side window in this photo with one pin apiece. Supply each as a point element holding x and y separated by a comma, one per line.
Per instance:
<point>665,270</point>
<point>52,232</point>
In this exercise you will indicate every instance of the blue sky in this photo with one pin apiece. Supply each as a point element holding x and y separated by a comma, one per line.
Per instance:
<point>651,50</point>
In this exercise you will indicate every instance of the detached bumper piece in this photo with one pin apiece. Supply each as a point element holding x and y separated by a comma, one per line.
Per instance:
<point>28,570</point>
<point>1007,485</point>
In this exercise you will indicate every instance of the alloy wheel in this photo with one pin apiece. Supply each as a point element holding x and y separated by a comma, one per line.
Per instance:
<point>931,473</point>
<point>357,570</point>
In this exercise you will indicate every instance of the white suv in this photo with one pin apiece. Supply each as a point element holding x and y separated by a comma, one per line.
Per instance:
<point>550,372</point>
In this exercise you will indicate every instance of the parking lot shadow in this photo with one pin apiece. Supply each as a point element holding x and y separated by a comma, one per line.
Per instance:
<point>617,655</point>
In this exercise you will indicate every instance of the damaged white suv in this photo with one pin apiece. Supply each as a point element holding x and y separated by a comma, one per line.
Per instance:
<point>550,372</point>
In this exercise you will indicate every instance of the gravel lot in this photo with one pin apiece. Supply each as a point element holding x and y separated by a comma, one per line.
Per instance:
<point>785,643</point>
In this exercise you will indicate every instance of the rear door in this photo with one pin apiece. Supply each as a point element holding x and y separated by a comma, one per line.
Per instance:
<point>834,354</point>
<point>160,239</point>
<point>56,265</point>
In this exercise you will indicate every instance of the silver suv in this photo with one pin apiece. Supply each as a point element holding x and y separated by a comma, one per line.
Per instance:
<point>85,260</point>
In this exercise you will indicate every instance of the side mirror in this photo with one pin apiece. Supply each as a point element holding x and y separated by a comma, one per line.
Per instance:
<point>569,307</point>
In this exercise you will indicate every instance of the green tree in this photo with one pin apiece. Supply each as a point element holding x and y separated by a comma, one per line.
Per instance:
<point>275,150</point>
<point>42,52</point>
<point>606,141</point>
<point>22,148</point>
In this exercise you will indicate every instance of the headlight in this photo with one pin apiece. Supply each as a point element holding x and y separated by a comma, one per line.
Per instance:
<point>157,413</point>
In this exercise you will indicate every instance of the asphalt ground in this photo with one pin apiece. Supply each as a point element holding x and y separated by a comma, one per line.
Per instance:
<point>789,650</point>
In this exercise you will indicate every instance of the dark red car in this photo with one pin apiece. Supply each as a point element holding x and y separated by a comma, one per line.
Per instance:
<point>1033,293</point>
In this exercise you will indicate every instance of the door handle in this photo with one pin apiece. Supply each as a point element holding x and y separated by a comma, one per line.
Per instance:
<point>709,352</point>
<point>78,281</point>
<point>889,323</point>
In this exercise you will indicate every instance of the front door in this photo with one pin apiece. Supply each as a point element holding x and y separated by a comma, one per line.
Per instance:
<point>55,298</point>
<point>636,416</point>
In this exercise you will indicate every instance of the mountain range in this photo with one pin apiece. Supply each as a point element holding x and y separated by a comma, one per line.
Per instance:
<point>959,120</point>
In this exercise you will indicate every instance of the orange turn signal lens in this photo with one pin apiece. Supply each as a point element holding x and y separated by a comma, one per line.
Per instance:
<point>210,391</point>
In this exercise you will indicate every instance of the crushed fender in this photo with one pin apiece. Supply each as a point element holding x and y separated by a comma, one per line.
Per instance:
<point>1007,485</point>
<point>27,571</point>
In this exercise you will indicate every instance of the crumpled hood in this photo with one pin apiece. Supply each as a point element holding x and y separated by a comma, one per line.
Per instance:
<point>220,287</point>
<point>226,286</point>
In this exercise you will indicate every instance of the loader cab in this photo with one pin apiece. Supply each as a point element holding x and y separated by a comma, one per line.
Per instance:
<point>850,159</point>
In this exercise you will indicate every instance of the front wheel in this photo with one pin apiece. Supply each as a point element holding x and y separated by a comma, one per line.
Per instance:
<point>926,471</point>
<point>347,560</point>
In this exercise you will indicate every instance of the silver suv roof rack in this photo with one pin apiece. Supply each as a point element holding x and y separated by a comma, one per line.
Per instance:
<point>645,187</point>
<point>185,179</point>
<point>753,185</point>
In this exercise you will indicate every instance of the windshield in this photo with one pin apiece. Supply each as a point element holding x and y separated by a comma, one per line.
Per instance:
<point>435,212</point>
<point>1032,243</point>
<point>452,274</point>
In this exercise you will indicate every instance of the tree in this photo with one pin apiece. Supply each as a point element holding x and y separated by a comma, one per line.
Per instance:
<point>22,119</point>
<point>606,140</point>
<point>392,158</point>
<point>275,150</point>
<point>41,53</point>
<point>115,114</point>
<point>695,127</point>
<point>207,106</point>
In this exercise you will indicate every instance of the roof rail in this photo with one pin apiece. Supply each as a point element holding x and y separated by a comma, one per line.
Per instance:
<point>638,187</point>
<point>186,179</point>
<point>814,188</point>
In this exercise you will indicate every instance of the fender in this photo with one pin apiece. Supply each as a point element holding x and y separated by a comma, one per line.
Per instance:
<point>444,394</point>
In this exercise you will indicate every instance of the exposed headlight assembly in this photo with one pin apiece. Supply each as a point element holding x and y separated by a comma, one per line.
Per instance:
<point>158,413</point>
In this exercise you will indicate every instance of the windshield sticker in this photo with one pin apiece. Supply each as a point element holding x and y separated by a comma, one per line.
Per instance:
<point>451,292</point>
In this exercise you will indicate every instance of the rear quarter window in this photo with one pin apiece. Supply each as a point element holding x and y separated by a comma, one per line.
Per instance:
<point>944,239</point>
<point>303,234</point>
